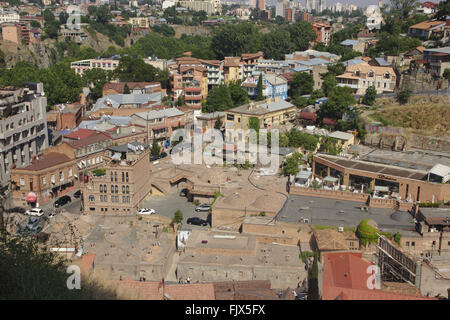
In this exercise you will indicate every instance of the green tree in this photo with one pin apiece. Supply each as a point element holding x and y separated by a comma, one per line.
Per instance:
<point>328,84</point>
<point>302,84</point>
<point>369,96</point>
<point>339,100</point>
<point>35,24</point>
<point>155,149</point>
<point>443,10</point>
<point>238,94</point>
<point>403,96</point>
<point>219,99</point>
<point>259,89</point>
<point>446,74</point>
<point>404,7</point>
<point>292,163</point>
<point>177,217</point>
<point>126,89</point>
<point>301,34</point>
<point>135,70</point>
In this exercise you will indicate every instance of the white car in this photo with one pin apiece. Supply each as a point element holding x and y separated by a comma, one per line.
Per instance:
<point>35,212</point>
<point>146,211</point>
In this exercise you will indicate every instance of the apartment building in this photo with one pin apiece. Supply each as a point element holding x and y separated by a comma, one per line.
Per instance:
<point>211,7</point>
<point>9,17</point>
<point>274,86</point>
<point>46,177</point>
<point>269,113</point>
<point>23,126</point>
<point>233,69</point>
<point>250,62</point>
<point>323,32</point>
<point>81,66</point>
<point>214,71</point>
<point>160,123</point>
<point>122,182</point>
<point>134,87</point>
<point>361,76</point>
<point>189,78</point>
<point>139,22</point>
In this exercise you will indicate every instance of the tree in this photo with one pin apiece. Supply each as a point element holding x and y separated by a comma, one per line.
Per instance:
<point>339,99</point>
<point>292,163</point>
<point>446,74</point>
<point>443,10</point>
<point>135,70</point>
<point>219,99</point>
<point>369,96</point>
<point>301,34</point>
<point>126,89</point>
<point>63,16</point>
<point>303,83</point>
<point>403,96</point>
<point>404,7</point>
<point>156,149</point>
<point>238,94</point>
<point>218,124</point>
<point>35,24</point>
<point>328,84</point>
<point>259,89</point>
<point>177,217</point>
<point>276,44</point>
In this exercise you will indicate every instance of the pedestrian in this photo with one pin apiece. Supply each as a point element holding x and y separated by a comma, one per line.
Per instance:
<point>188,280</point>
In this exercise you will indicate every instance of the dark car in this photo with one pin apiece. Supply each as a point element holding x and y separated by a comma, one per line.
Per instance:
<point>197,221</point>
<point>183,192</point>
<point>163,155</point>
<point>16,209</point>
<point>77,194</point>
<point>62,201</point>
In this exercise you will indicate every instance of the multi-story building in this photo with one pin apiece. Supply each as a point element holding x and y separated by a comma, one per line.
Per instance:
<point>189,78</point>
<point>122,182</point>
<point>233,69</point>
<point>214,72</point>
<point>46,177</point>
<point>323,32</point>
<point>269,113</point>
<point>361,76</point>
<point>274,86</point>
<point>102,63</point>
<point>250,61</point>
<point>261,4</point>
<point>65,117</point>
<point>211,7</point>
<point>139,22</point>
<point>424,30</point>
<point>438,59</point>
<point>23,126</point>
<point>111,88</point>
<point>160,123</point>
<point>9,16</point>
<point>17,33</point>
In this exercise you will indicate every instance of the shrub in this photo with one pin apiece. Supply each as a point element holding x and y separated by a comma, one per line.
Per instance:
<point>177,217</point>
<point>403,96</point>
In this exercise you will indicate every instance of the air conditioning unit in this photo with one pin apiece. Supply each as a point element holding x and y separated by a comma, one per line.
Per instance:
<point>340,229</point>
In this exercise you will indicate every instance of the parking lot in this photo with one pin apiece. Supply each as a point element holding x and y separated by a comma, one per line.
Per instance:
<point>167,205</point>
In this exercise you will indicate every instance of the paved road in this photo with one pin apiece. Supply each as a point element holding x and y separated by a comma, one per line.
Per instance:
<point>167,205</point>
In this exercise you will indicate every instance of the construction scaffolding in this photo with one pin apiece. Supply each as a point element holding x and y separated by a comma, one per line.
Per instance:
<point>395,265</point>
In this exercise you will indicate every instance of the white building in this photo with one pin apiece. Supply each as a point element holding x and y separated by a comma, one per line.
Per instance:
<point>9,17</point>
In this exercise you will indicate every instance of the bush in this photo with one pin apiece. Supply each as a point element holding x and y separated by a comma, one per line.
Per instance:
<point>366,233</point>
<point>403,96</point>
<point>177,217</point>
<point>429,204</point>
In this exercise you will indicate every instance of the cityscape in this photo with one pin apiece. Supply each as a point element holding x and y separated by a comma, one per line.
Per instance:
<point>224,150</point>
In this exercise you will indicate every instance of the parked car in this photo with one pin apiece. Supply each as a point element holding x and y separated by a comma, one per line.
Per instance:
<point>162,155</point>
<point>159,156</point>
<point>183,192</point>
<point>62,201</point>
<point>197,221</point>
<point>35,212</point>
<point>146,211</point>
<point>77,194</point>
<point>203,207</point>
<point>16,209</point>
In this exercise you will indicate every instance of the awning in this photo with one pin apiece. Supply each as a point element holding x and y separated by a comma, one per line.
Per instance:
<point>31,197</point>
<point>159,128</point>
<point>330,179</point>
<point>381,188</point>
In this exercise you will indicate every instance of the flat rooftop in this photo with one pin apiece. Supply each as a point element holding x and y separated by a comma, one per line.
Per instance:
<point>331,212</point>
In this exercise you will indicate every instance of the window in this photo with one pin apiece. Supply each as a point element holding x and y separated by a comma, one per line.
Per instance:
<point>43,180</point>
<point>117,189</point>
<point>101,199</point>
<point>434,243</point>
<point>370,74</point>
<point>91,198</point>
<point>112,198</point>
<point>52,178</point>
<point>112,177</point>
<point>123,189</point>
<point>115,176</point>
<point>407,243</point>
<point>22,181</point>
<point>112,189</point>
<point>123,176</point>
<point>413,244</point>
<point>70,172</point>
<point>126,174</point>
<point>101,188</point>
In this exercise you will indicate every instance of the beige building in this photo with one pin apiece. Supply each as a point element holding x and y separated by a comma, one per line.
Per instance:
<point>269,113</point>
<point>121,184</point>
<point>361,76</point>
<point>219,256</point>
<point>139,22</point>
<point>211,7</point>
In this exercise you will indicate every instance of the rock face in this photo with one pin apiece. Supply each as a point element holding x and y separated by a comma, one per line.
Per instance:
<point>45,53</point>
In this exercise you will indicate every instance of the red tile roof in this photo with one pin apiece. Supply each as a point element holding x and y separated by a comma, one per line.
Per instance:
<point>48,160</point>
<point>345,277</point>
<point>87,262</point>
<point>80,134</point>
<point>97,137</point>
